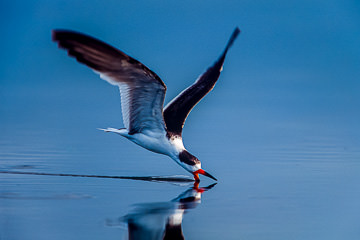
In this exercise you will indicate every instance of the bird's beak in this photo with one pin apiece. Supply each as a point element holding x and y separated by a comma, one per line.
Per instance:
<point>202,172</point>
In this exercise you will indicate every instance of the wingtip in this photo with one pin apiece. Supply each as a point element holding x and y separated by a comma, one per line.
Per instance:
<point>237,31</point>
<point>234,35</point>
<point>60,34</point>
<point>55,34</point>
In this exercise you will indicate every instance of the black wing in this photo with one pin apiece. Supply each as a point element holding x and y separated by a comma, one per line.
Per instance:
<point>142,91</point>
<point>176,112</point>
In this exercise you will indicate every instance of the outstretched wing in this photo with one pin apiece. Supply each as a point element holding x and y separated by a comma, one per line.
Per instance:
<point>178,109</point>
<point>142,91</point>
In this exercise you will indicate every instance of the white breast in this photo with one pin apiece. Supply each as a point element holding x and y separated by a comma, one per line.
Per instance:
<point>158,143</point>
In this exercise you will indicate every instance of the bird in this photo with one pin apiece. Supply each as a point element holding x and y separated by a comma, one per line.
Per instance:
<point>146,122</point>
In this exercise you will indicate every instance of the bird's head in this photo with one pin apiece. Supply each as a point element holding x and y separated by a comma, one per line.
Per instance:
<point>193,165</point>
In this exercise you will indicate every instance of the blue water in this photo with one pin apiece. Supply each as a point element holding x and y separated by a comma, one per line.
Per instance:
<point>277,179</point>
<point>280,131</point>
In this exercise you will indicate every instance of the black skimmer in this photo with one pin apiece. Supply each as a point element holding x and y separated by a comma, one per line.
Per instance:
<point>142,96</point>
<point>161,220</point>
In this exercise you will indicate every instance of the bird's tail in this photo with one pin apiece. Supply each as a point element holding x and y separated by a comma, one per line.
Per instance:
<point>121,131</point>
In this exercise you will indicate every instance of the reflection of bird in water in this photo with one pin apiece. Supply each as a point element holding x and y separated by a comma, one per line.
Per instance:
<point>142,96</point>
<point>162,220</point>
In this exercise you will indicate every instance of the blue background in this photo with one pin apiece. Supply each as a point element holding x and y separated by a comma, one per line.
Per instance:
<point>296,59</point>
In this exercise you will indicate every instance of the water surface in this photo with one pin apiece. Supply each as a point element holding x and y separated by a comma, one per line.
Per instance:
<point>276,180</point>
